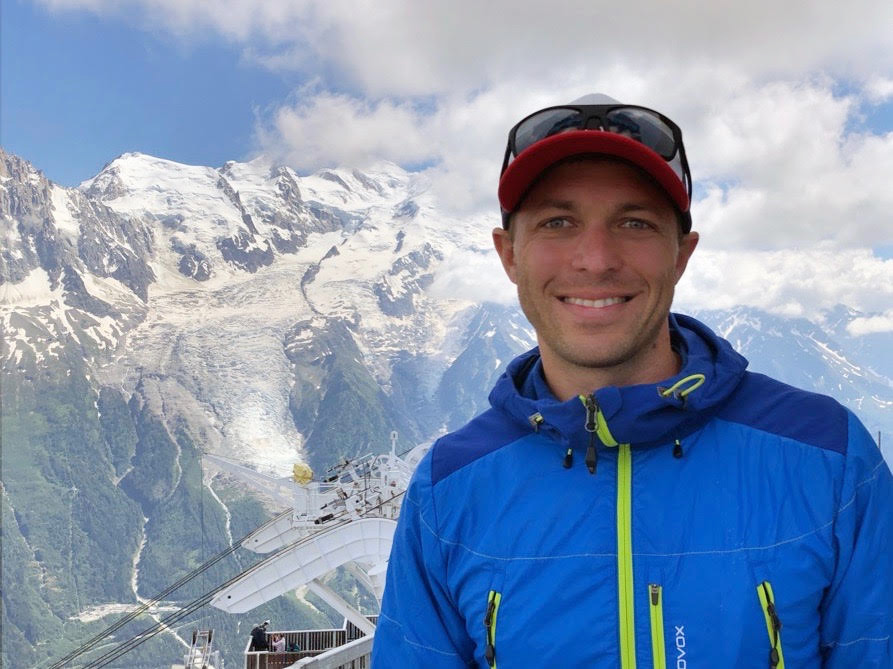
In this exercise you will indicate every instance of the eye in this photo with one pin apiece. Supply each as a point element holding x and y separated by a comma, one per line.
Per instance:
<point>556,223</point>
<point>637,224</point>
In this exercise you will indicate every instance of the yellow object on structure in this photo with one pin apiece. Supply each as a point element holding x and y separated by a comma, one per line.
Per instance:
<point>301,473</point>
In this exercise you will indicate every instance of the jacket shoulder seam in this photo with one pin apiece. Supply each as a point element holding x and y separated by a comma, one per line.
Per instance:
<point>771,406</point>
<point>457,450</point>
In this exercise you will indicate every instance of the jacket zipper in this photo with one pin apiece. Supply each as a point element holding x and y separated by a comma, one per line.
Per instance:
<point>591,427</point>
<point>625,559</point>
<point>658,649</point>
<point>773,624</point>
<point>597,425</point>
<point>493,600</point>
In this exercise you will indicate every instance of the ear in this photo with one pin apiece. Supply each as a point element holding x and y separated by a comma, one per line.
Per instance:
<point>502,240</point>
<point>686,247</point>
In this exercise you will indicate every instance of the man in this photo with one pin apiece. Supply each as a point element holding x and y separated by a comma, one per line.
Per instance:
<point>634,495</point>
<point>259,637</point>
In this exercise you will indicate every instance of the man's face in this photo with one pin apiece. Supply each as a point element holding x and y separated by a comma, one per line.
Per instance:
<point>595,252</point>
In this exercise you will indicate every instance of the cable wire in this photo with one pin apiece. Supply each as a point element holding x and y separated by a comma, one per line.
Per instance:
<point>161,595</point>
<point>196,604</point>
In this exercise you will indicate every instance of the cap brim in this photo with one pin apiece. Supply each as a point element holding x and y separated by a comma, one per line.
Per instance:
<point>521,173</point>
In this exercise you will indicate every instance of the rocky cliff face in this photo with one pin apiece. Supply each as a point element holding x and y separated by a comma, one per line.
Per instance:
<point>60,230</point>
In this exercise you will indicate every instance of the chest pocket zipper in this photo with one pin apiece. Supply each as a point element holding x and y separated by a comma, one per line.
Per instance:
<point>773,624</point>
<point>493,600</point>
<point>656,610</point>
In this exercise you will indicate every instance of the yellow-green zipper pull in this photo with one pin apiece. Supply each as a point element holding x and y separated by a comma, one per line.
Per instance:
<point>490,625</point>
<point>776,629</point>
<point>773,625</point>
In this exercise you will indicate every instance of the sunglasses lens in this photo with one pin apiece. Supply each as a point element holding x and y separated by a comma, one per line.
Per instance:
<point>639,124</point>
<point>644,127</point>
<point>545,124</point>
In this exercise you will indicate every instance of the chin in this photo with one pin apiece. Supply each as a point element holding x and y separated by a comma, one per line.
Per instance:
<point>596,359</point>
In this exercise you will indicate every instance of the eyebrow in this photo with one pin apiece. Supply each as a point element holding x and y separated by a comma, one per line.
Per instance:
<point>568,205</point>
<point>633,206</point>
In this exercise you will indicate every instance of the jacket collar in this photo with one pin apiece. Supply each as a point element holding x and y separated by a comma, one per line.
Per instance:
<point>642,414</point>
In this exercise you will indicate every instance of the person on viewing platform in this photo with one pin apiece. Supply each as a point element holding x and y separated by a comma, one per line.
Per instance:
<point>259,636</point>
<point>634,496</point>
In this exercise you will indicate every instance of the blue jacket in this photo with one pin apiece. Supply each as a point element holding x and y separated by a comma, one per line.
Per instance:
<point>731,521</point>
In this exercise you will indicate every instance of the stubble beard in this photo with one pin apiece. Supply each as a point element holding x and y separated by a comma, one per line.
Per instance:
<point>631,347</point>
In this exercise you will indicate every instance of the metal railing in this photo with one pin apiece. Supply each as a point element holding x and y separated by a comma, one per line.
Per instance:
<point>347,647</point>
<point>356,654</point>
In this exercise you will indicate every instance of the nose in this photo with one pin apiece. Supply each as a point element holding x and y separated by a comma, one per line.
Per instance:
<point>596,250</point>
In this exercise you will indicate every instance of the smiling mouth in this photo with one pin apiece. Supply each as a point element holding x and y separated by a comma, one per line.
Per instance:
<point>595,304</point>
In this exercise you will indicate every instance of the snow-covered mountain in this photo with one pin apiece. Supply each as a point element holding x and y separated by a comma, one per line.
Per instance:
<point>160,310</point>
<point>231,285</point>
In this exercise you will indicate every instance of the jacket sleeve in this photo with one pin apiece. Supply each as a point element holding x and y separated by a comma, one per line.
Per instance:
<point>857,610</point>
<point>419,625</point>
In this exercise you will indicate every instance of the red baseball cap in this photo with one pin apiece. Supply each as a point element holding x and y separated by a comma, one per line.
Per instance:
<point>652,131</point>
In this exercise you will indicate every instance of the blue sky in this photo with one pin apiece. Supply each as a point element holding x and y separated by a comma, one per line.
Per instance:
<point>79,90</point>
<point>791,155</point>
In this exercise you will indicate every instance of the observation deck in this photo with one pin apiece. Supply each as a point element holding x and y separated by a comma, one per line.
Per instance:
<point>347,647</point>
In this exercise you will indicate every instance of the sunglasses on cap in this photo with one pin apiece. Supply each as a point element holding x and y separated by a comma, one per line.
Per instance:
<point>645,126</point>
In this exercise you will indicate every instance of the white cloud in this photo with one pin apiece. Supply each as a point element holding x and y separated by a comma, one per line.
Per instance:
<point>798,282</point>
<point>405,47</point>
<point>871,324</point>
<point>477,277</point>
<point>780,169</point>
<point>329,130</point>
<point>879,89</point>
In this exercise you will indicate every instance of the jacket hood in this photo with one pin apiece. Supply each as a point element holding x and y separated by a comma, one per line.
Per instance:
<point>643,414</point>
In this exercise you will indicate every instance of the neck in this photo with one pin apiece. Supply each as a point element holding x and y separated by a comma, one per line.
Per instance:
<point>566,379</point>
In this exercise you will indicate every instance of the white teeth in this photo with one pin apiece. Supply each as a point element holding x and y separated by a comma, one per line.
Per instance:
<point>606,302</point>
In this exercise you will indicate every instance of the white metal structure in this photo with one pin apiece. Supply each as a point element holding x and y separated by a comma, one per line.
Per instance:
<point>366,542</point>
<point>346,520</point>
<point>201,655</point>
<point>340,656</point>
<point>369,486</point>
